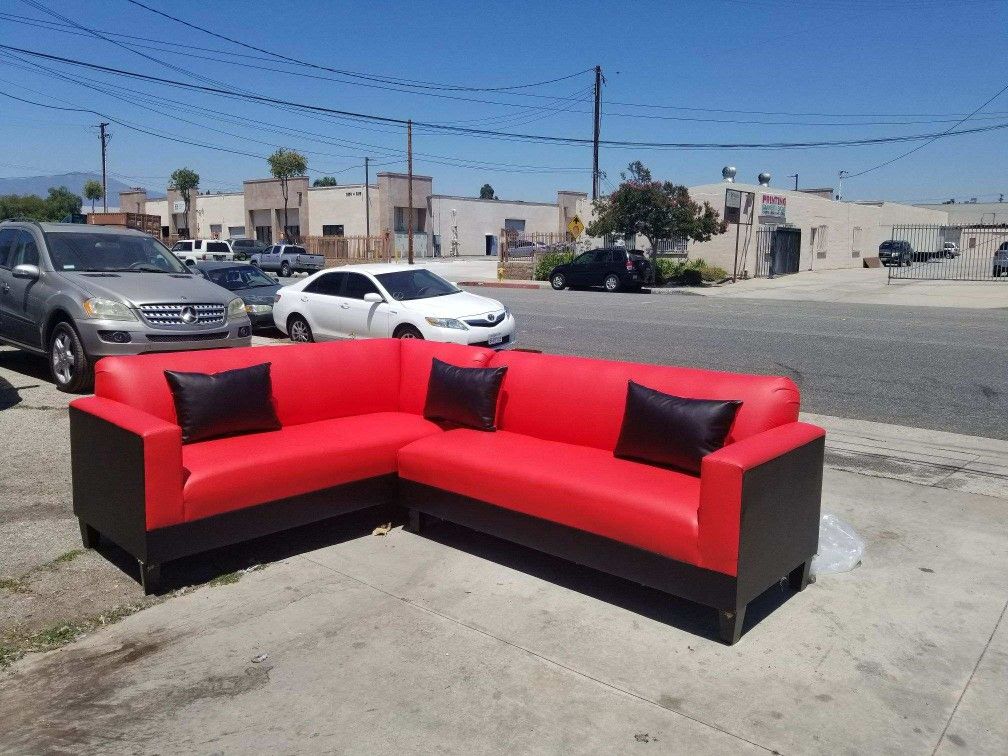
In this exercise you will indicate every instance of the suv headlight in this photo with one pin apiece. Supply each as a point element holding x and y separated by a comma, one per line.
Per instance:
<point>107,309</point>
<point>236,310</point>
<point>458,325</point>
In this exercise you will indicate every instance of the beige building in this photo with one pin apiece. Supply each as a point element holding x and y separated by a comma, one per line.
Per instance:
<point>973,213</point>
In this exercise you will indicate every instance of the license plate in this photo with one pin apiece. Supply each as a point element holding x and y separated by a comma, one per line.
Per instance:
<point>493,340</point>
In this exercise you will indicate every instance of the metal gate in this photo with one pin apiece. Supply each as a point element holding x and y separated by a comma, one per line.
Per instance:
<point>778,250</point>
<point>947,253</point>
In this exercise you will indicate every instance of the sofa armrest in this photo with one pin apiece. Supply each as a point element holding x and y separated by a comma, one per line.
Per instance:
<point>127,470</point>
<point>762,494</point>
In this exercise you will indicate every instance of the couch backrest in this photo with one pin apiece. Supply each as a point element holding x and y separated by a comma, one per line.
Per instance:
<point>581,401</point>
<point>310,381</point>
<point>416,358</point>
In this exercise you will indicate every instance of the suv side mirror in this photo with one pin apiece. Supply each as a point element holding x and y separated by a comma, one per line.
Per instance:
<point>26,271</point>
<point>373,297</point>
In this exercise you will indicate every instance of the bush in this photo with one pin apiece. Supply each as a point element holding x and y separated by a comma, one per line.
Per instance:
<point>688,272</point>
<point>546,261</point>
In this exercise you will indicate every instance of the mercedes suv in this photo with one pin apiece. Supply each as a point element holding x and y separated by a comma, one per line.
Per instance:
<point>76,292</point>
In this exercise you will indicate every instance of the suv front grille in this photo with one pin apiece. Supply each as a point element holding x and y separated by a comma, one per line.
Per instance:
<point>170,338</point>
<point>183,314</point>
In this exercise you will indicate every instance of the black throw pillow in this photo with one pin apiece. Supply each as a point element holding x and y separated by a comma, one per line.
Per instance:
<point>463,395</point>
<point>669,430</point>
<point>223,404</point>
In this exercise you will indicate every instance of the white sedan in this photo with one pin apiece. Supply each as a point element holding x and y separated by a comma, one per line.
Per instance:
<point>378,301</point>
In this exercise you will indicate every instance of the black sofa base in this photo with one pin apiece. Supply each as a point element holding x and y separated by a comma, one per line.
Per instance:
<point>727,594</point>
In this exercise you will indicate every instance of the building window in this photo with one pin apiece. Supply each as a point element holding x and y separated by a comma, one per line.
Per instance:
<point>402,219</point>
<point>515,224</point>
<point>332,230</point>
<point>264,234</point>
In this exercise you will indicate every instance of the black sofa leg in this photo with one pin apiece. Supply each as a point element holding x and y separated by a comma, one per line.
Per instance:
<point>150,577</point>
<point>89,536</point>
<point>799,577</point>
<point>415,522</point>
<point>730,623</point>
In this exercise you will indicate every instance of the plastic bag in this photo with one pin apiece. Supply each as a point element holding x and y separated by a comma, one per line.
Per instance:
<point>840,547</point>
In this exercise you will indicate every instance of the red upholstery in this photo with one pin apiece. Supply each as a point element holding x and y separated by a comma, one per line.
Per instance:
<point>162,451</point>
<point>310,381</point>
<point>232,473</point>
<point>580,401</point>
<point>721,475</point>
<point>578,486</point>
<point>415,366</point>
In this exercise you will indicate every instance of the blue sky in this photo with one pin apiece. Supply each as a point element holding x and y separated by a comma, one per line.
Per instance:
<point>917,64</point>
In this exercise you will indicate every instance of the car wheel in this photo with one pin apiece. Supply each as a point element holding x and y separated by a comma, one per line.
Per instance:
<point>285,270</point>
<point>558,281</point>
<point>612,282</point>
<point>70,365</point>
<point>407,332</point>
<point>299,330</point>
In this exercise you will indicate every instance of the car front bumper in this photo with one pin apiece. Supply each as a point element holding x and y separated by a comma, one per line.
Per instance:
<point>503,334</point>
<point>107,338</point>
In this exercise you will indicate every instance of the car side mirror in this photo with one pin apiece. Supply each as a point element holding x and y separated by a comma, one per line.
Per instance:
<point>26,271</point>
<point>373,298</point>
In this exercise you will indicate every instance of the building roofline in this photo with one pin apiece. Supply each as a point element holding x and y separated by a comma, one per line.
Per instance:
<point>481,199</point>
<point>416,176</point>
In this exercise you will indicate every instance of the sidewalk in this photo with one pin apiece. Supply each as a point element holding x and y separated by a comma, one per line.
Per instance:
<point>458,643</point>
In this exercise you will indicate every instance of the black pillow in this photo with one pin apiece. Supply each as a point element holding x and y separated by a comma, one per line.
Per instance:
<point>223,404</point>
<point>463,395</point>
<point>669,430</point>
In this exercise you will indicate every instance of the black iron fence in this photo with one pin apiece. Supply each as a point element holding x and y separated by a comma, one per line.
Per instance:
<point>778,250</point>
<point>947,253</point>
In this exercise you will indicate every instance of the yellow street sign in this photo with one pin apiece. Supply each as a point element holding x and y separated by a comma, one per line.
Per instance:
<point>575,226</point>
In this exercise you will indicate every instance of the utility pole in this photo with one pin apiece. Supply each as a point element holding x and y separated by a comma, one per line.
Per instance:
<point>367,198</point>
<point>104,182</point>
<point>409,172</point>
<point>598,119</point>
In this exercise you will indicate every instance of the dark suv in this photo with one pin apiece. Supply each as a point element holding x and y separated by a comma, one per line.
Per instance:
<point>613,269</point>
<point>898,253</point>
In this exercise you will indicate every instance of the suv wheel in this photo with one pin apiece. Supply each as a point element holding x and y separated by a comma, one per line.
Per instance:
<point>558,281</point>
<point>285,270</point>
<point>612,282</point>
<point>70,366</point>
<point>299,330</point>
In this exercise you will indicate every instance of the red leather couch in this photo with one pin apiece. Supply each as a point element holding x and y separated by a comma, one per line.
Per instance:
<point>354,436</point>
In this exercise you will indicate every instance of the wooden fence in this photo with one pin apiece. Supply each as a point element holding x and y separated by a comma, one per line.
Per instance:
<point>149,224</point>
<point>347,250</point>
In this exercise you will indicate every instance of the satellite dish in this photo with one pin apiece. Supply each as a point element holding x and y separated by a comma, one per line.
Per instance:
<point>728,173</point>
<point>764,179</point>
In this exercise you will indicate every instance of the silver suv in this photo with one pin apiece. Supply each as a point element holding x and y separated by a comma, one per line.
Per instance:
<point>76,293</point>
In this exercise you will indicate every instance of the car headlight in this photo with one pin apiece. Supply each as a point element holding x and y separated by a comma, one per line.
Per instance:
<point>458,325</point>
<point>236,310</point>
<point>258,309</point>
<point>107,309</point>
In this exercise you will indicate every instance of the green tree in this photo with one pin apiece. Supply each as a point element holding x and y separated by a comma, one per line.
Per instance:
<point>654,209</point>
<point>61,202</point>
<point>285,165</point>
<point>183,181</point>
<point>93,191</point>
<point>27,206</point>
<point>325,181</point>
<point>487,192</point>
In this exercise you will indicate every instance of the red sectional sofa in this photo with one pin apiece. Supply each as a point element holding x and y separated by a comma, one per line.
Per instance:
<point>354,436</point>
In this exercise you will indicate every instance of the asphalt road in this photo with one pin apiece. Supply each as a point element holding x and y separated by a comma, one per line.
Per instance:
<point>938,368</point>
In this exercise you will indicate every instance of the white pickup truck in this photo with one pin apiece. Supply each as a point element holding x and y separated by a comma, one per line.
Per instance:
<point>287,259</point>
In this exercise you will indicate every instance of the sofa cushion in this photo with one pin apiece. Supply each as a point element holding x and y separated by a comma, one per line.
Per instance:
<point>310,381</point>
<point>232,473</point>
<point>415,360</point>
<point>227,403</point>
<point>463,395</point>
<point>649,507</point>
<point>580,401</point>
<point>664,429</point>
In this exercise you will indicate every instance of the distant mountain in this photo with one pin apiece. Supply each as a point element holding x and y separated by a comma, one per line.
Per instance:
<point>73,181</point>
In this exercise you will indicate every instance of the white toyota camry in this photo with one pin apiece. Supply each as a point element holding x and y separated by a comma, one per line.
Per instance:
<point>378,301</point>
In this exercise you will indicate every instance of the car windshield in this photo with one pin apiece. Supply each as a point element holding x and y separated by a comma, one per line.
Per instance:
<point>415,284</point>
<point>111,252</point>
<point>239,277</point>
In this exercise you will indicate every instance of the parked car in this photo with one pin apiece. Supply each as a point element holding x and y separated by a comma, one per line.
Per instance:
<point>76,293</point>
<point>286,259</point>
<point>950,250</point>
<point>612,268</point>
<point>256,288</point>
<point>896,253</point>
<point>1001,260</point>
<point>192,250</point>
<point>379,301</point>
<point>245,248</point>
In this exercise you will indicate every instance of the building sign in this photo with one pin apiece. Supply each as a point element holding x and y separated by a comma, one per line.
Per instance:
<point>773,207</point>
<point>739,206</point>
<point>178,206</point>
<point>575,226</point>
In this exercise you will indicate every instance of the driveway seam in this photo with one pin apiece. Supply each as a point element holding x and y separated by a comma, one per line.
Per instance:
<point>543,658</point>
<point>969,682</point>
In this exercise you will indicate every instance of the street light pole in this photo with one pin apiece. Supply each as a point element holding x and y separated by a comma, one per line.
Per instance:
<point>795,177</point>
